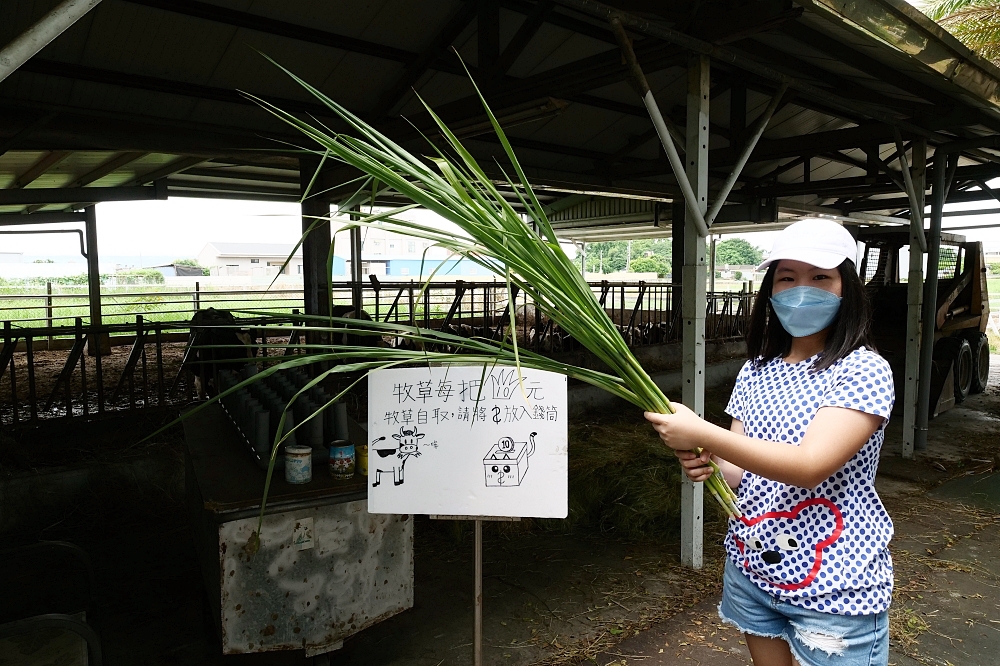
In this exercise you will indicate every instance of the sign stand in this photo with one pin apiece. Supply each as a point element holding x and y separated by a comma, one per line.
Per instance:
<point>477,634</point>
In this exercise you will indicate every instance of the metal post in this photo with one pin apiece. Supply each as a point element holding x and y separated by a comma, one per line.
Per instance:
<point>48,312</point>
<point>356,275</point>
<point>315,248</point>
<point>914,297</point>
<point>676,256</point>
<point>693,298</point>
<point>103,344</point>
<point>929,313</point>
<point>478,622</point>
<point>711,265</point>
<point>35,38</point>
<point>197,296</point>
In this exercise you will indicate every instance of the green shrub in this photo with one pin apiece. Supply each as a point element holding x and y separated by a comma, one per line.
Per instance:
<point>649,265</point>
<point>138,276</point>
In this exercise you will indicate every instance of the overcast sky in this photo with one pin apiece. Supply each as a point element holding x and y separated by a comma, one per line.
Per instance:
<point>180,227</point>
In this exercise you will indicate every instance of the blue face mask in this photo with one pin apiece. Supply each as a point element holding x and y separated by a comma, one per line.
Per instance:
<point>803,311</point>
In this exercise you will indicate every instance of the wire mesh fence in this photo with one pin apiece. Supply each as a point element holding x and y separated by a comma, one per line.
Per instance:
<point>46,370</point>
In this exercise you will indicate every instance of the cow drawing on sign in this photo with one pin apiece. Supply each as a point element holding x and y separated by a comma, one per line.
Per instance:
<point>393,460</point>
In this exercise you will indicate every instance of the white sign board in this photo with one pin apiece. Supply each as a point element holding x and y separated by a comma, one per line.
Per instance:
<point>461,440</point>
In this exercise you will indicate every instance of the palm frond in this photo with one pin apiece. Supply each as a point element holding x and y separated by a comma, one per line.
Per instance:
<point>978,28</point>
<point>939,9</point>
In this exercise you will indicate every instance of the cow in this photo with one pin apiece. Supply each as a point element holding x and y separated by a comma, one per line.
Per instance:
<point>215,342</point>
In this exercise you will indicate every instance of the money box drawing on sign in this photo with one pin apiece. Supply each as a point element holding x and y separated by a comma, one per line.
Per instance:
<point>507,462</point>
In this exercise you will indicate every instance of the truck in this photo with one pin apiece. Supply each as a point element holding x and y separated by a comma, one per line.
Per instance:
<point>961,347</point>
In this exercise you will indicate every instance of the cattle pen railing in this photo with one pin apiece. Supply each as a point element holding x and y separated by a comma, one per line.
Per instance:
<point>46,371</point>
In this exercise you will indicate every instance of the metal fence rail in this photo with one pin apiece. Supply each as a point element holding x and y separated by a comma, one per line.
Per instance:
<point>72,383</point>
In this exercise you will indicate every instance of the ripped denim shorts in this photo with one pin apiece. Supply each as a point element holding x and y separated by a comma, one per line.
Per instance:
<point>815,638</point>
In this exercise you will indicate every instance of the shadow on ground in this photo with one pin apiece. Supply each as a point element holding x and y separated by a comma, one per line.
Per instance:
<point>557,596</point>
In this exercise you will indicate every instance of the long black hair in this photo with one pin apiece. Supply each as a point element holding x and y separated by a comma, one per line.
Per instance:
<point>767,339</point>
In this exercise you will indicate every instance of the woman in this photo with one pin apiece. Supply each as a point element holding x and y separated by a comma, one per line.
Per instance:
<point>808,577</point>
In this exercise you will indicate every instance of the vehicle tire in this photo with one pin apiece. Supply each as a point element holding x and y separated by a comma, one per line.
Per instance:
<point>964,370</point>
<point>980,345</point>
<point>958,353</point>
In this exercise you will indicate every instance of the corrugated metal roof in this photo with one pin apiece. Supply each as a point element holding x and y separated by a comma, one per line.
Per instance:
<point>158,78</point>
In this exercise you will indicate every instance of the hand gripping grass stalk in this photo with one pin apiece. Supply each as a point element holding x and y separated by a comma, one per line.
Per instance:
<point>526,252</point>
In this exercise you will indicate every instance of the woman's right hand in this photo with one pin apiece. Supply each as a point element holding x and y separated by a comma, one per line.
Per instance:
<point>695,466</point>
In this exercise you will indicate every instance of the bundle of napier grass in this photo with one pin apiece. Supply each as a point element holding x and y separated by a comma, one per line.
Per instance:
<point>498,238</point>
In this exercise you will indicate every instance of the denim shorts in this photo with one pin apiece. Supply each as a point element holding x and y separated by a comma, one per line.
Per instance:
<point>815,638</point>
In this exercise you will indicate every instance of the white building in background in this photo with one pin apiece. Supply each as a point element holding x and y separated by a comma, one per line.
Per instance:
<point>251,259</point>
<point>383,253</point>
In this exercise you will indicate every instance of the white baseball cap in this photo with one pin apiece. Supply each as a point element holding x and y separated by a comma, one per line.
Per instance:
<point>821,243</point>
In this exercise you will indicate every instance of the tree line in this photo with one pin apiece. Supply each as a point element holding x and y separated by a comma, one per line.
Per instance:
<point>652,255</point>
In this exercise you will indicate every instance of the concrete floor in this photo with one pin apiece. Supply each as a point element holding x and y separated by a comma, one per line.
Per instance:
<point>945,506</point>
<point>559,599</point>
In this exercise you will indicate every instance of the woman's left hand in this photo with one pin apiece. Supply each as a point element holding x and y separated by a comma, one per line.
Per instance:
<point>683,430</point>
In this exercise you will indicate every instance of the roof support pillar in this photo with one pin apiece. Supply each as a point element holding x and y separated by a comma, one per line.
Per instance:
<point>676,258</point>
<point>315,248</point>
<point>98,342</point>
<point>928,316</point>
<point>357,275</point>
<point>693,294</point>
<point>37,37</point>
<point>914,298</point>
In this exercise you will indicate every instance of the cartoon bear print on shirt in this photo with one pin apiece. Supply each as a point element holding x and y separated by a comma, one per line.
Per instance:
<point>785,548</point>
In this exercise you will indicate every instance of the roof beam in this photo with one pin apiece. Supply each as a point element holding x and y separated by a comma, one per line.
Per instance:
<point>565,81</point>
<point>272,26</point>
<point>238,196</point>
<point>845,88</point>
<point>442,40</point>
<point>903,203</point>
<point>177,166</point>
<point>881,184</point>
<point>608,104</point>
<point>633,144</point>
<point>83,130</point>
<point>19,219</point>
<point>232,174</point>
<point>563,21</point>
<point>13,141</point>
<point>139,81</point>
<point>720,53</point>
<point>858,60</point>
<point>63,195</point>
<point>38,169</point>
<point>774,149</point>
<point>179,182</point>
<point>103,170</point>
<point>488,35</point>
<point>107,168</point>
<point>515,47</point>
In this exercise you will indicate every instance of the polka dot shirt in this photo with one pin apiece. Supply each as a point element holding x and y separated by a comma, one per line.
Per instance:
<point>823,548</point>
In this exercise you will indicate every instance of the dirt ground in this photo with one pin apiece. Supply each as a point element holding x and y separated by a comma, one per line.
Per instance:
<point>552,597</point>
<point>49,364</point>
